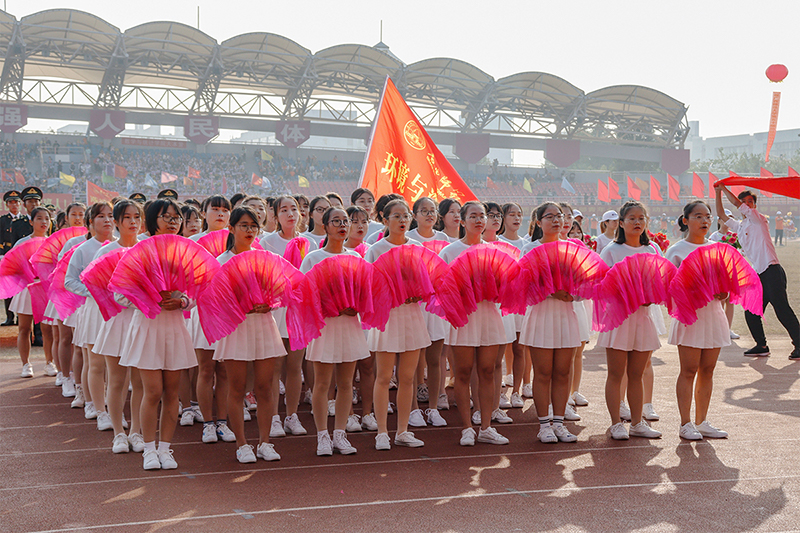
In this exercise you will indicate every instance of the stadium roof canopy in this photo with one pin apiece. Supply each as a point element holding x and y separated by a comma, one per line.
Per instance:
<point>172,67</point>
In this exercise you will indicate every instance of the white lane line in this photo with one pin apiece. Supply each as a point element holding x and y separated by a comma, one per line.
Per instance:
<point>554,451</point>
<point>423,500</point>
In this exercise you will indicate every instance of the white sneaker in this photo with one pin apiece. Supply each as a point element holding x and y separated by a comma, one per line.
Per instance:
<point>645,431</point>
<point>570,414</point>
<point>353,424</point>
<point>276,428</point>
<point>245,454</point>
<point>383,442</point>
<point>649,413</point>
<point>281,388</point>
<point>407,438</point>
<point>415,419</point>
<point>250,401</point>
<point>293,426</point>
<point>369,423</point>
<point>324,445</point>
<point>124,423</point>
<point>527,390</point>
<point>505,403</point>
<point>198,415</point>
<point>434,418</point>
<point>735,335</point>
<point>331,407</point>
<point>564,435</point>
<point>120,444</point>
<point>508,380</point>
<point>501,417</point>
<point>689,432</point>
<point>137,442</point>
<point>468,436</point>
<point>89,411</point>
<point>59,379</point>
<point>618,431</point>
<point>390,409</point>
<point>442,403</point>
<point>167,460</point>
<point>27,371</point>
<point>476,417</point>
<point>150,460</point>
<point>547,435</point>
<point>187,417</point>
<point>570,401</point>
<point>68,388</point>
<point>246,414</point>
<point>51,370</point>
<point>707,430</point>
<point>104,421</point>
<point>491,436</point>
<point>624,412</point>
<point>307,397</point>
<point>579,399</point>
<point>266,451</point>
<point>516,401</point>
<point>341,444</point>
<point>423,395</point>
<point>78,401</point>
<point>224,432</point>
<point>209,433</point>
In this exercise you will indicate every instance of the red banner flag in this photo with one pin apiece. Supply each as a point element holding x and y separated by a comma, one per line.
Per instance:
<point>766,174</point>
<point>674,188</point>
<point>773,122</point>
<point>633,190</point>
<point>19,178</point>
<point>7,176</point>
<point>697,186</point>
<point>784,185</point>
<point>712,179</point>
<point>613,189</point>
<point>490,184</point>
<point>602,191</point>
<point>735,189</point>
<point>96,194</point>
<point>402,158</point>
<point>793,173</point>
<point>120,173</point>
<point>256,180</point>
<point>193,174</point>
<point>224,185</point>
<point>655,190</point>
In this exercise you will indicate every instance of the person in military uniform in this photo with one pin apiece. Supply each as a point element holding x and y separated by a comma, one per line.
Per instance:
<point>22,227</point>
<point>172,194</point>
<point>138,197</point>
<point>13,200</point>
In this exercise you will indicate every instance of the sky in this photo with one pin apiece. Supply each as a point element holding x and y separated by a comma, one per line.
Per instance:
<point>711,55</point>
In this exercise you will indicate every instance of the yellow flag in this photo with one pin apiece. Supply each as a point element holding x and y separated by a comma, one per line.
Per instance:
<point>527,185</point>
<point>301,181</point>
<point>66,179</point>
<point>265,156</point>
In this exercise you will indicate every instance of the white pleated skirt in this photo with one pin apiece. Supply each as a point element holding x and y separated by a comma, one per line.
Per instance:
<point>72,320</point>
<point>518,319</point>
<point>111,337</point>
<point>199,341</point>
<point>341,341</point>
<point>484,328</point>
<point>437,326</point>
<point>710,331</point>
<point>51,312</point>
<point>21,303</point>
<point>637,333</point>
<point>89,323</point>
<point>162,343</point>
<point>510,326</point>
<point>405,331</point>
<point>551,324</point>
<point>256,338</point>
<point>279,315</point>
<point>584,325</point>
<point>77,333</point>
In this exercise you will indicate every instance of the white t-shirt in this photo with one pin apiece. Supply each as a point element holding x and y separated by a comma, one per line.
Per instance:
<point>312,238</point>
<point>317,256</point>
<point>753,231</point>
<point>225,256</point>
<point>602,242</point>
<point>383,246</point>
<point>197,236</point>
<point>681,249</point>
<point>451,252</point>
<point>437,236</point>
<point>274,243</point>
<point>530,246</point>
<point>373,229</point>
<point>715,237</point>
<point>614,253</point>
<point>519,243</point>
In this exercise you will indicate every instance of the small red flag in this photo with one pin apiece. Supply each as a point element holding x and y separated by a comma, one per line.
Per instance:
<point>674,188</point>
<point>697,186</point>
<point>613,189</point>
<point>655,190</point>
<point>224,185</point>
<point>766,174</point>
<point>96,194</point>
<point>602,191</point>
<point>633,190</point>
<point>120,173</point>
<point>490,184</point>
<point>402,158</point>
<point>7,176</point>
<point>256,180</point>
<point>793,173</point>
<point>712,179</point>
<point>19,178</point>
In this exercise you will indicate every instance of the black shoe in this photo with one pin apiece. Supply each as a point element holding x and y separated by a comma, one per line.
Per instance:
<point>795,355</point>
<point>757,351</point>
<point>9,321</point>
<point>37,341</point>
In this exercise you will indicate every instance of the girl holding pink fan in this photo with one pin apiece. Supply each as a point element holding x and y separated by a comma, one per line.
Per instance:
<point>629,346</point>
<point>160,348</point>
<point>450,219</point>
<point>255,340</point>
<point>21,302</point>
<point>216,213</point>
<point>101,219</point>
<point>698,344</point>
<point>128,218</point>
<point>287,215</point>
<point>335,352</point>
<point>405,335</point>
<point>478,341</point>
<point>550,331</point>
<point>316,232</point>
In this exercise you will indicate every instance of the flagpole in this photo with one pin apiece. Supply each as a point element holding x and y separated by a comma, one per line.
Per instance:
<point>372,133</point>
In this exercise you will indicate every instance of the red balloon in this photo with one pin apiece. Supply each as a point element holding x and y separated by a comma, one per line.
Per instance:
<point>777,73</point>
